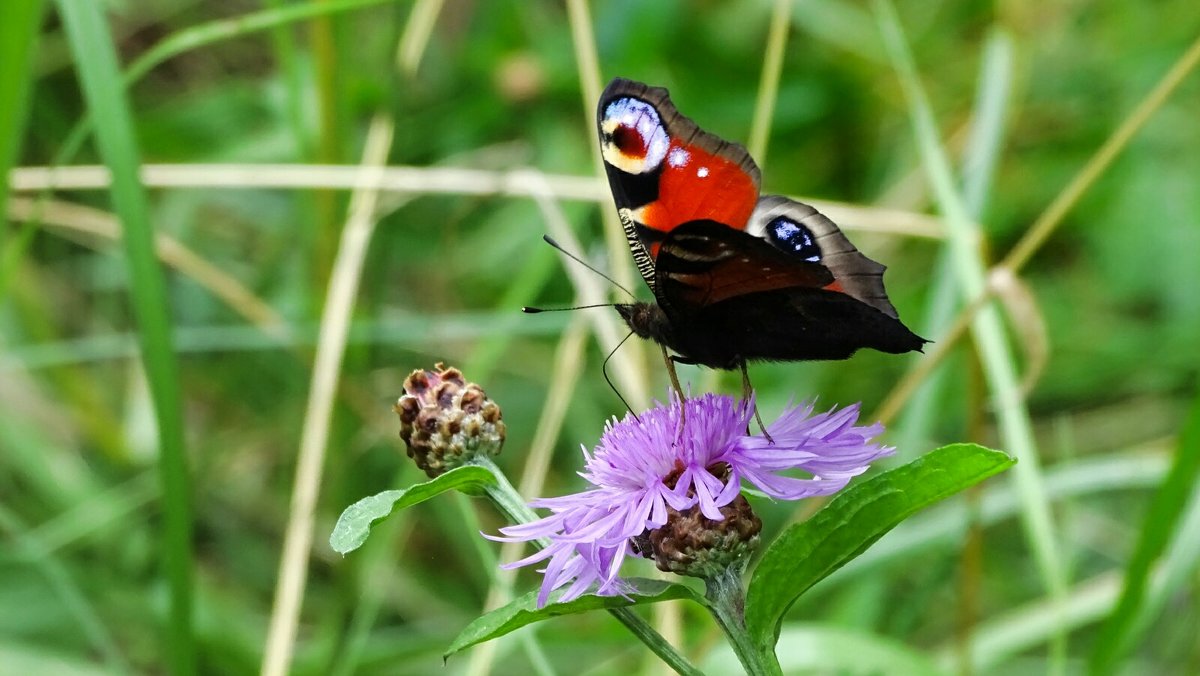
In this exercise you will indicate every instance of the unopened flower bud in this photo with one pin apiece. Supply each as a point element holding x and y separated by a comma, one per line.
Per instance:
<point>445,420</point>
<point>692,544</point>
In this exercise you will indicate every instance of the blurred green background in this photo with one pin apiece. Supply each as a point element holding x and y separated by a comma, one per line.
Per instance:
<point>1102,326</point>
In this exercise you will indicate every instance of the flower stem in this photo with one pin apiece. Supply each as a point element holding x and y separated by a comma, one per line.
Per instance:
<point>509,501</point>
<point>727,602</point>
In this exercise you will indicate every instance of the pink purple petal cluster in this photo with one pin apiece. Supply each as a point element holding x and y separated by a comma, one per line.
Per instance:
<point>644,464</point>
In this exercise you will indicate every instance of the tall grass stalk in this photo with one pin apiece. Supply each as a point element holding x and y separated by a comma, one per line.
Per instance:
<point>331,345</point>
<point>987,329</point>
<point>100,78</point>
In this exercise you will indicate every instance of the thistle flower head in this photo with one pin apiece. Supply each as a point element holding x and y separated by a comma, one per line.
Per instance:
<point>646,468</point>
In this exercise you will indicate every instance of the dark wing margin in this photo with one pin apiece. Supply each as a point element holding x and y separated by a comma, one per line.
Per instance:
<point>858,276</point>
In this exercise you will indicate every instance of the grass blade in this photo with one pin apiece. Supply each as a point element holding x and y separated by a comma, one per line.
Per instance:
<point>1121,628</point>
<point>18,36</point>
<point>100,77</point>
<point>995,353</point>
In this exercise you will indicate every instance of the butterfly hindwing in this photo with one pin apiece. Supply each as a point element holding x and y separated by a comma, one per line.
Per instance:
<point>806,233</point>
<point>790,288</point>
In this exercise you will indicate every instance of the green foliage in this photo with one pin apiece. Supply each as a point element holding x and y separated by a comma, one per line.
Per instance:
<point>1021,96</point>
<point>1132,613</point>
<point>99,75</point>
<point>808,552</point>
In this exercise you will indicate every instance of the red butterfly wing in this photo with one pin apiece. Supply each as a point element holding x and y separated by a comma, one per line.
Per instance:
<point>665,171</point>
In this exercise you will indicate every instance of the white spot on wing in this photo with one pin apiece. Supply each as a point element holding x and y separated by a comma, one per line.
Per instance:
<point>702,172</point>
<point>678,157</point>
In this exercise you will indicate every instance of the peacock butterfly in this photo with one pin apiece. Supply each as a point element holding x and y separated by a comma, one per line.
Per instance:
<point>736,276</point>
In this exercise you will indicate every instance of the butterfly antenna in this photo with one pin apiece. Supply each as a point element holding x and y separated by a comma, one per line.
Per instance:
<point>577,259</point>
<point>604,370</point>
<point>531,310</point>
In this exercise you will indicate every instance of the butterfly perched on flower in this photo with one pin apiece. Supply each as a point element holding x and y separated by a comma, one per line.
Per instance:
<point>736,276</point>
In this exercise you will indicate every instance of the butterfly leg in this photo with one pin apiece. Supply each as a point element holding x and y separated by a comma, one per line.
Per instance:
<point>746,392</point>
<point>670,362</point>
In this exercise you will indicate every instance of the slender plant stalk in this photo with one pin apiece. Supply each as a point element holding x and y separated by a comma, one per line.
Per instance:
<point>429,180</point>
<point>1046,223</point>
<point>335,323</point>
<point>768,82</point>
<point>987,330</point>
<point>727,602</point>
<point>567,367</point>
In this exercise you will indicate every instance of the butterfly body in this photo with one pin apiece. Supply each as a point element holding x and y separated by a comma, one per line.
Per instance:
<point>736,277</point>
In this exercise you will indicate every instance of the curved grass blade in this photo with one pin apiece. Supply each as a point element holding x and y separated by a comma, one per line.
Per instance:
<point>808,552</point>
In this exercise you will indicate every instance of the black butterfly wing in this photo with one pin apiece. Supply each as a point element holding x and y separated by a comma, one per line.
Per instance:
<point>730,295</point>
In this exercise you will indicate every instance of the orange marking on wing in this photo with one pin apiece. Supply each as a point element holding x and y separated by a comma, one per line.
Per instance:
<point>696,184</point>
<point>834,286</point>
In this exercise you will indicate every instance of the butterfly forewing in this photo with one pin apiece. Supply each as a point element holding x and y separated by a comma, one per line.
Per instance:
<point>665,171</point>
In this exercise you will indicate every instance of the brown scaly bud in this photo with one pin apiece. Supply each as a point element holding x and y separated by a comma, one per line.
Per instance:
<point>445,421</point>
<point>692,544</point>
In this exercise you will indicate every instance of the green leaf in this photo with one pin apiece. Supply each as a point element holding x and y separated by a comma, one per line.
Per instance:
<point>19,33</point>
<point>808,552</point>
<point>1131,614</point>
<point>95,59</point>
<point>523,610</point>
<point>354,524</point>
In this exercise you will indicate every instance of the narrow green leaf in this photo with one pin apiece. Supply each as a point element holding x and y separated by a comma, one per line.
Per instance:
<point>354,524</point>
<point>808,552</point>
<point>1122,627</point>
<point>524,610</point>
<point>96,60</point>
<point>995,351</point>
<point>19,33</point>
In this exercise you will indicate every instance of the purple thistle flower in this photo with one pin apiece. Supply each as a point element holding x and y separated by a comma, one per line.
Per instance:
<point>642,466</point>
